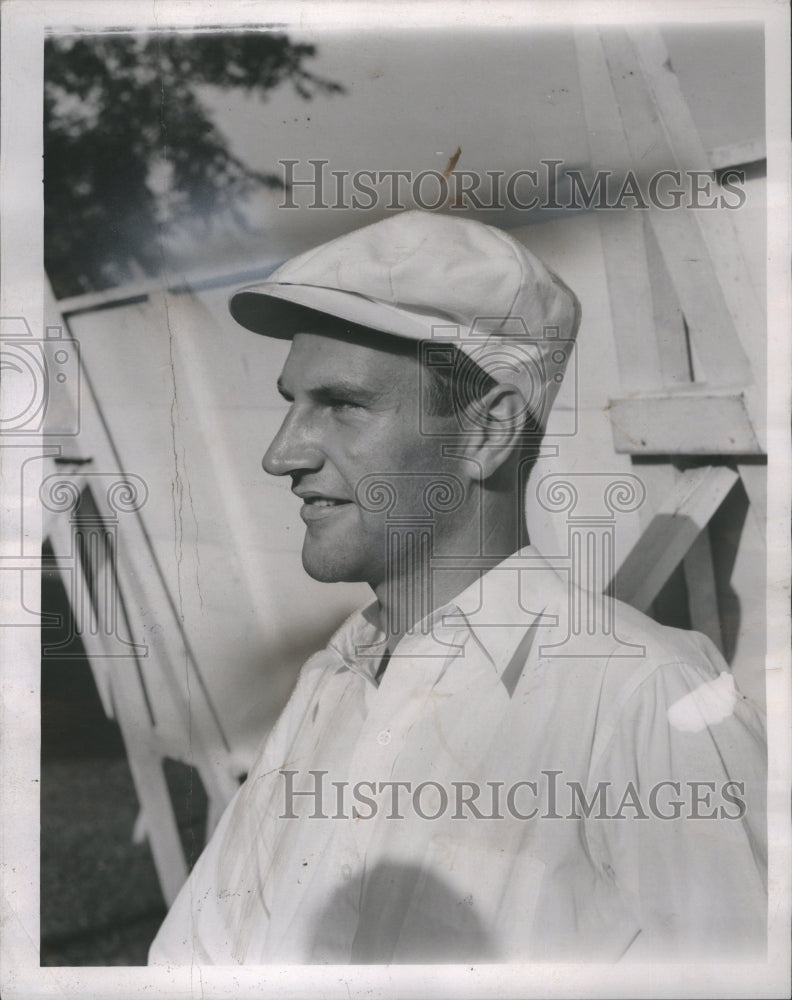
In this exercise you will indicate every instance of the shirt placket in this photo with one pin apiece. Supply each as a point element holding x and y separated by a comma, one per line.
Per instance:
<point>395,707</point>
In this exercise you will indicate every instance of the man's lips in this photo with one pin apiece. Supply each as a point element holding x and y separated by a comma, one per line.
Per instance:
<point>317,506</point>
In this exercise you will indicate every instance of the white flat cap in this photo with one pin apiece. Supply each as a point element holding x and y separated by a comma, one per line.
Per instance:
<point>431,277</point>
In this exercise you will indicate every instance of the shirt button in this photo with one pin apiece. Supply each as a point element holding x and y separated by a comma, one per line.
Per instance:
<point>384,738</point>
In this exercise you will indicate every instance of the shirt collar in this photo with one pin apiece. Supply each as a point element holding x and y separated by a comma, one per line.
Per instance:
<point>495,610</point>
<point>501,605</point>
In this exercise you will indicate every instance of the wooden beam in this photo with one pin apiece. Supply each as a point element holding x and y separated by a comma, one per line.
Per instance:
<point>738,153</point>
<point>722,359</point>
<point>754,478</point>
<point>669,323</point>
<point>145,763</point>
<point>681,517</point>
<point>678,423</point>
<point>661,135</point>
<point>123,698</point>
<point>702,589</point>
<point>59,531</point>
<point>622,233</point>
<point>745,301</point>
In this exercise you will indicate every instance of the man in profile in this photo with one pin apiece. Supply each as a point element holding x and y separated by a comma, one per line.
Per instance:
<point>443,785</point>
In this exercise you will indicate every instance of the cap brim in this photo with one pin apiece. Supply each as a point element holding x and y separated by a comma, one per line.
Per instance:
<point>279,310</point>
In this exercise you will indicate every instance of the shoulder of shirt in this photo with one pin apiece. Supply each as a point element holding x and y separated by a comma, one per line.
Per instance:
<point>628,642</point>
<point>679,672</point>
<point>663,645</point>
<point>636,650</point>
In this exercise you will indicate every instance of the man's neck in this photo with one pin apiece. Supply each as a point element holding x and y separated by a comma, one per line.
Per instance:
<point>421,579</point>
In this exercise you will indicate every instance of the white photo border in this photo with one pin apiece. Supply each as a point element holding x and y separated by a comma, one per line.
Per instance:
<point>21,244</point>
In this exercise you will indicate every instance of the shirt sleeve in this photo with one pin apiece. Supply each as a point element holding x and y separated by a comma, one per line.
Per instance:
<point>684,834</point>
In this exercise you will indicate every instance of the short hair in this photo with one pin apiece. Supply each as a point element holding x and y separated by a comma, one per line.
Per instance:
<point>451,388</point>
<point>455,388</point>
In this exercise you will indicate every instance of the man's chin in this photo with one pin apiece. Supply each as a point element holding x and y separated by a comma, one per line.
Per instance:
<point>327,569</point>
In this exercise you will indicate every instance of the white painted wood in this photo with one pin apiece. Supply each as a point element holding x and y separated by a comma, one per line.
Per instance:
<point>722,358</point>
<point>58,530</point>
<point>669,325</point>
<point>124,699</point>
<point>736,153</point>
<point>702,589</point>
<point>622,233</point>
<point>741,292</point>
<point>677,523</point>
<point>145,763</point>
<point>661,135</point>
<point>691,424</point>
<point>754,478</point>
<point>162,677</point>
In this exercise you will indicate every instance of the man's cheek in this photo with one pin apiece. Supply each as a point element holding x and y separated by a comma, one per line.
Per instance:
<point>373,525</point>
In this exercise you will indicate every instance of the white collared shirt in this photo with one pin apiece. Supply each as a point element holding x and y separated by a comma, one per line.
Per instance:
<point>440,816</point>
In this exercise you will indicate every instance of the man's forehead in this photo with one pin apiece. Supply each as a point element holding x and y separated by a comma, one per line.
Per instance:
<point>341,355</point>
<point>331,328</point>
<point>350,346</point>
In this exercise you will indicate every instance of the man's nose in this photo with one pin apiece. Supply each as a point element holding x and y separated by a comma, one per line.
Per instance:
<point>295,448</point>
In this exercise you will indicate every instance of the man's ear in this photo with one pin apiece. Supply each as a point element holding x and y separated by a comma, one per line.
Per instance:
<point>496,423</point>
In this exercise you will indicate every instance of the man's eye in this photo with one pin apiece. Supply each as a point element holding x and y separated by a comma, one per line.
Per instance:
<point>339,405</point>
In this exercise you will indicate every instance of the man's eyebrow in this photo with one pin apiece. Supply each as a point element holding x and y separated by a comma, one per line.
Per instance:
<point>338,388</point>
<point>346,390</point>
